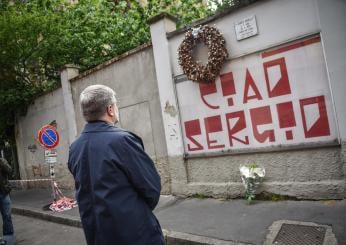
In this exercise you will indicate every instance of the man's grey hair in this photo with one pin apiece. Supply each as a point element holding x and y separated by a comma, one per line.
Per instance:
<point>94,101</point>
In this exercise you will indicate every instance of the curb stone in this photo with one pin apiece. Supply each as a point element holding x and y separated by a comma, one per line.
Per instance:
<point>171,237</point>
<point>180,238</point>
<point>38,214</point>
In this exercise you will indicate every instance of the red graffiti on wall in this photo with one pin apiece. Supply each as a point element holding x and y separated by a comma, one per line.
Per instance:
<point>256,123</point>
<point>319,126</point>
<point>213,125</point>
<point>193,128</point>
<point>228,87</point>
<point>282,85</point>
<point>240,124</point>
<point>250,85</point>
<point>259,116</point>
<point>262,116</point>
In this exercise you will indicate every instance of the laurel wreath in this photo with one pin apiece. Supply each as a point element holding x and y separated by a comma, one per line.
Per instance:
<point>217,54</point>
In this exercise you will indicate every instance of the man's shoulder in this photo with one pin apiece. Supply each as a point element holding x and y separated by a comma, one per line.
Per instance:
<point>124,137</point>
<point>124,134</point>
<point>118,134</point>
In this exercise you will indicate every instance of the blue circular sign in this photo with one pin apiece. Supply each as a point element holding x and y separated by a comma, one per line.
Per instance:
<point>48,137</point>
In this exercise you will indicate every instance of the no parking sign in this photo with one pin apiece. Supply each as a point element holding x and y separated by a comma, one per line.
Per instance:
<point>48,137</point>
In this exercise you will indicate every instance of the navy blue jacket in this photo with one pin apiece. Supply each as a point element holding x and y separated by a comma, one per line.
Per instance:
<point>117,187</point>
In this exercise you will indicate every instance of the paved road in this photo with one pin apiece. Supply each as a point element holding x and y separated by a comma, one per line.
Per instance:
<point>235,220</point>
<point>232,220</point>
<point>31,231</point>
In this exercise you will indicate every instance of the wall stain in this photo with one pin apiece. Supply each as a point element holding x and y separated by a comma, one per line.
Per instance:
<point>170,109</point>
<point>37,170</point>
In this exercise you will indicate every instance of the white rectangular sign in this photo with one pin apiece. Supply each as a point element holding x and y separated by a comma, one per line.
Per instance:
<point>50,156</point>
<point>272,98</point>
<point>246,28</point>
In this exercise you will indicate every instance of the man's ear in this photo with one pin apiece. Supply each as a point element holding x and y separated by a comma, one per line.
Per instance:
<point>110,111</point>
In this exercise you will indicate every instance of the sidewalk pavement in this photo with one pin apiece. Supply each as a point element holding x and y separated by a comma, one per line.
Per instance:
<point>207,221</point>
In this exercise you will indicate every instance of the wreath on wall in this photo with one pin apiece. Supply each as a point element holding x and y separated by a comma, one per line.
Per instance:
<point>217,54</point>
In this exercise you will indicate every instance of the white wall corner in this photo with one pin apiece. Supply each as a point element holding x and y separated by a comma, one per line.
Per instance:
<point>67,73</point>
<point>332,23</point>
<point>159,26</point>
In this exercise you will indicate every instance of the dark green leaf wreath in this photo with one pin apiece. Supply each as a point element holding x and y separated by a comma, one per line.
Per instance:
<point>217,54</point>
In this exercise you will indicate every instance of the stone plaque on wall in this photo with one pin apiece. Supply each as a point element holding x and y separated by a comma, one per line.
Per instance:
<point>246,28</point>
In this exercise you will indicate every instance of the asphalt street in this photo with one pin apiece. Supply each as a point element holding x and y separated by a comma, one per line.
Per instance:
<point>227,220</point>
<point>31,231</point>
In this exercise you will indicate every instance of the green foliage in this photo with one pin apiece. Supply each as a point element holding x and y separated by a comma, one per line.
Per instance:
<point>220,5</point>
<point>187,11</point>
<point>38,37</point>
<point>267,196</point>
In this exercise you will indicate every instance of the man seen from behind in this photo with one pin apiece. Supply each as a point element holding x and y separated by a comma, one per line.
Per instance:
<point>117,185</point>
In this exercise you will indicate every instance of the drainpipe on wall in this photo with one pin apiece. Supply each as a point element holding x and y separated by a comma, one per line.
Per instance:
<point>67,73</point>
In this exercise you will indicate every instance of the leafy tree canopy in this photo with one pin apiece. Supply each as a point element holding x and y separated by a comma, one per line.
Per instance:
<point>38,37</point>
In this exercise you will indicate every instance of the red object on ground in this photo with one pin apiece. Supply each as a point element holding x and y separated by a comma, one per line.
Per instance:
<point>61,203</point>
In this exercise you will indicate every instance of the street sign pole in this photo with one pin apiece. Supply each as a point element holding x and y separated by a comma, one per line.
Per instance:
<point>48,138</point>
<point>50,157</point>
<point>52,176</point>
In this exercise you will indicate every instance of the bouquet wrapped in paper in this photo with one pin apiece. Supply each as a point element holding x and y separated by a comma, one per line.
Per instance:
<point>252,176</point>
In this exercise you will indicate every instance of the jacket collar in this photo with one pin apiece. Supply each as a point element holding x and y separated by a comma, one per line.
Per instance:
<point>98,126</point>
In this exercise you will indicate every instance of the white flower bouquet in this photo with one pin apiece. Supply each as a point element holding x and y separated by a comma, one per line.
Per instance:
<point>252,176</point>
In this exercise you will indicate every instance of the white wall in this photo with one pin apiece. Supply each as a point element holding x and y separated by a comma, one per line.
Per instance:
<point>332,22</point>
<point>302,172</point>
<point>278,21</point>
<point>133,78</point>
<point>44,110</point>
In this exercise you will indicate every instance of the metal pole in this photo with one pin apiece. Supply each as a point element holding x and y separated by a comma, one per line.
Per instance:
<point>52,176</point>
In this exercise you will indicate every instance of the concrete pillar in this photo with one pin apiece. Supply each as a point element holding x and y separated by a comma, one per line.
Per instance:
<point>68,72</point>
<point>159,26</point>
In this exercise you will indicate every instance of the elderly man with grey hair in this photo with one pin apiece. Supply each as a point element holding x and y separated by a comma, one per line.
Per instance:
<point>117,185</point>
